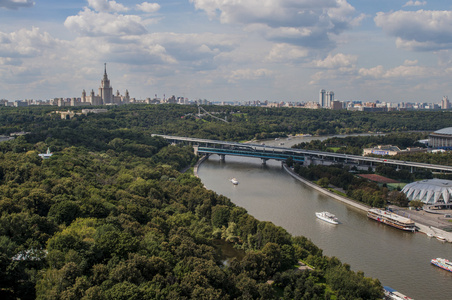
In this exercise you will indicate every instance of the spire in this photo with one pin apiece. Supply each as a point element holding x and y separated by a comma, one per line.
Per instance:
<point>105,82</point>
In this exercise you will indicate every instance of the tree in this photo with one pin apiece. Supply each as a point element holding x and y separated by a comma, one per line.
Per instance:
<point>324,182</point>
<point>64,212</point>
<point>416,204</point>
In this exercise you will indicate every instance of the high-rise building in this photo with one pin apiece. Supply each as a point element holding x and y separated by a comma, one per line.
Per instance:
<point>445,104</point>
<point>105,95</point>
<point>329,99</point>
<point>326,98</point>
<point>322,98</point>
<point>105,90</point>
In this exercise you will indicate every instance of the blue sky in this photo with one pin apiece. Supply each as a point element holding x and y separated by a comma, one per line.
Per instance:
<point>228,50</point>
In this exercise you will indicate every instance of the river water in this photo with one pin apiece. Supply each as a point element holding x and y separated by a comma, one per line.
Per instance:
<point>398,259</point>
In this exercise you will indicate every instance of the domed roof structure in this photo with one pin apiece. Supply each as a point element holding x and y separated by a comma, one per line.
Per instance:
<point>441,139</point>
<point>432,191</point>
<point>447,130</point>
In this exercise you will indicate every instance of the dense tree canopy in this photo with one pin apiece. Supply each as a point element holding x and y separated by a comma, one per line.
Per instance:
<point>244,123</point>
<point>110,215</point>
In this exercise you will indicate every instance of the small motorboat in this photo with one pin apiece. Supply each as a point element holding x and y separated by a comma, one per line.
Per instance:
<point>234,181</point>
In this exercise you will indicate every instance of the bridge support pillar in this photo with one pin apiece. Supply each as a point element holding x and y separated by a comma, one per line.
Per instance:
<point>222,157</point>
<point>412,169</point>
<point>264,161</point>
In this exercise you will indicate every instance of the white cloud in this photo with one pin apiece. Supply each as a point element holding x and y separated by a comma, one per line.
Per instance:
<point>91,23</point>
<point>408,62</point>
<point>15,4</point>
<point>148,7</point>
<point>375,72</point>
<point>106,6</point>
<point>282,53</point>
<point>420,30</point>
<point>306,23</point>
<point>151,57</point>
<point>24,43</point>
<point>405,71</point>
<point>336,61</point>
<point>415,3</point>
<point>248,74</point>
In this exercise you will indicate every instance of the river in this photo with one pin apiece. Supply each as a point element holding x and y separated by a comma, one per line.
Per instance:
<point>398,259</point>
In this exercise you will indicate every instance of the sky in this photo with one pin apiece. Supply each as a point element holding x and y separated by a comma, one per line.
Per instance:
<point>228,50</point>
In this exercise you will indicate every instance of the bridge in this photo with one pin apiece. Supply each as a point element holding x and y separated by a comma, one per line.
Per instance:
<point>265,152</point>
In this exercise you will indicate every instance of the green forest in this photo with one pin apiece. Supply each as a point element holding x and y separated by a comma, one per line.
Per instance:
<point>244,123</point>
<point>111,215</point>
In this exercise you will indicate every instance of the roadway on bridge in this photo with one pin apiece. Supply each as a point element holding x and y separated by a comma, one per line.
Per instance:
<point>310,153</point>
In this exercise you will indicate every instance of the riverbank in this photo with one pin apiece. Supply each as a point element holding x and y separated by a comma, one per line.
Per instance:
<point>427,223</point>
<point>198,163</point>
<point>346,200</point>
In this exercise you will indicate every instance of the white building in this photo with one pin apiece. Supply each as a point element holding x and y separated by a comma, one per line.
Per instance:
<point>326,98</point>
<point>432,191</point>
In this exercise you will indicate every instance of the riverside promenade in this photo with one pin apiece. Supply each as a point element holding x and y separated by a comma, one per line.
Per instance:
<point>198,163</point>
<point>426,222</point>
<point>355,204</point>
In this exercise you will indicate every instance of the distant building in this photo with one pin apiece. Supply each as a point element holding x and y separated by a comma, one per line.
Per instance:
<point>329,99</point>
<point>336,105</point>
<point>326,98</point>
<point>322,98</point>
<point>441,139</point>
<point>105,95</point>
<point>20,103</point>
<point>313,105</point>
<point>46,155</point>
<point>433,191</point>
<point>445,104</point>
<point>391,150</point>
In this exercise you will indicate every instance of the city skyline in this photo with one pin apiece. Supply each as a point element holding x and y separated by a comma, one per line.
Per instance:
<point>394,51</point>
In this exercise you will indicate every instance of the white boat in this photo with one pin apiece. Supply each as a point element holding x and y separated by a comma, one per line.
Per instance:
<point>392,294</point>
<point>391,219</point>
<point>442,263</point>
<point>440,238</point>
<point>327,217</point>
<point>430,234</point>
<point>234,181</point>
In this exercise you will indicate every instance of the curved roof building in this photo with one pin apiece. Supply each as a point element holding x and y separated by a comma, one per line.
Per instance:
<point>441,139</point>
<point>432,191</point>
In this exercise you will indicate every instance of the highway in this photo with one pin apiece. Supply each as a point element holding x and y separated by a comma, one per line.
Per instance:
<point>339,157</point>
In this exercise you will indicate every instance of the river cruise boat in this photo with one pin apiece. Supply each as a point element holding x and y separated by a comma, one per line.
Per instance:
<point>391,219</point>
<point>391,294</point>
<point>327,217</point>
<point>442,263</point>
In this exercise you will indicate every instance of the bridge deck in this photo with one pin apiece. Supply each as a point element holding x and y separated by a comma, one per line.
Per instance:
<point>252,153</point>
<point>279,152</point>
